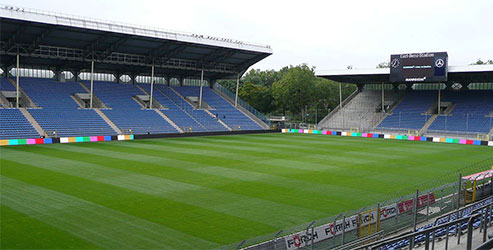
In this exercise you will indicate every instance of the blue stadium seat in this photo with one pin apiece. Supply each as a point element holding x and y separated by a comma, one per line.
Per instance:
<point>13,125</point>
<point>226,112</point>
<point>410,113</point>
<point>125,112</point>
<point>470,113</point>
<point>182,113</point>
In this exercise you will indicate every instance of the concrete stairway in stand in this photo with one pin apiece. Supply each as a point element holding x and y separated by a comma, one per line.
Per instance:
<point>207,111</point>
<point>161,113</point>
<point>108,121</point>
<point>427,124</point>
<point>33,122</point>
<point>243,110</point>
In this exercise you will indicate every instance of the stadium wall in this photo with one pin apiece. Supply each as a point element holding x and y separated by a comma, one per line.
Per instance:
<point>390,136</point>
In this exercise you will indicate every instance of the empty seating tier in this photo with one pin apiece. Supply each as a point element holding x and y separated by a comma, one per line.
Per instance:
<point>173,110</point>
<point>222,108</point>
<point>410,114</point>
<point>472,113</point>
<point>59,112</point>
<point>125,112</point>
<point>13,125</point>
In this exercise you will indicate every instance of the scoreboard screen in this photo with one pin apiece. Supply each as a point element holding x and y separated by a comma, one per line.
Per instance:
<point>419,67</point>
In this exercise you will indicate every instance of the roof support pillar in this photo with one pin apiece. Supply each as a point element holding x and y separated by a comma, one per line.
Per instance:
<point>449,86</point>
<point>17,73</point>
<point>396,87</point>
<point>76,75</point>
<point>465,86</point>
<point>58,74</point>
<point>167,80</point>
<point>237,87</point>
<point>409,86</point>
<point>92,83</point>
<point>5,72</point>
<point>152,86</point>
<point>360,87</point>
<point>340,95</point>
<point>201,84</point>
<point>383,98</point>
<point>439,96</point>
<point>181,80</point>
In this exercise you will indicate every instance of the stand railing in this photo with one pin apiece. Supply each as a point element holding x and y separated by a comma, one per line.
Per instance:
<point>242,103</point>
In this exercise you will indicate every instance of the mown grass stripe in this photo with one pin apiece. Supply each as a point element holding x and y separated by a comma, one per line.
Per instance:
<point>215,200</point>
<point>97,224</point>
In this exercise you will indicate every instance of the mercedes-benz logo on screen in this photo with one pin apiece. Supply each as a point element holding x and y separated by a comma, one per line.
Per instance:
<point>439,63</point>
<point>395,63</point>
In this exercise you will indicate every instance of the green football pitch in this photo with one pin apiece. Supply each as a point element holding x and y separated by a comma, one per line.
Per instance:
<point>202,192</point>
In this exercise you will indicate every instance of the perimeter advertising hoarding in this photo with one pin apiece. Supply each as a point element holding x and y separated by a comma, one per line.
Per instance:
<point>327,231</point>
<point>419,67</point>
<point>320,233</point>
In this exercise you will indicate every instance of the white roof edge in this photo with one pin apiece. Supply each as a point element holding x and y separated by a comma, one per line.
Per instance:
<point>343,72</point>
<point>451,69</point>
<point>19,13</point>
<point>471,68</point>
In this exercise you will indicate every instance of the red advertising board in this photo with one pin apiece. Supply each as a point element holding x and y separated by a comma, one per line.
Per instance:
<point>422,201</point>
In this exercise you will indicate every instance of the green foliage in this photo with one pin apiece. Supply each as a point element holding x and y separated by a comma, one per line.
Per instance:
<point>260,97</point>
<point>481,62</point>
<point>288,91</point>
<point>383,65</point>
<point>295,90</point>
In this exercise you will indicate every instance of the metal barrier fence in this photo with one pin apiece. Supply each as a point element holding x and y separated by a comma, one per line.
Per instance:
<point>406,208</point>
<point>455,226</point>
<point>242,103</point>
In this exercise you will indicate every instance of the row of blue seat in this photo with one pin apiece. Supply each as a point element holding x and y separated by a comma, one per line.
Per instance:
<point>14,125</point>
<point>58,111</point>
<point>125,112</point>
<point>472,112</point>
<point>222,108</point>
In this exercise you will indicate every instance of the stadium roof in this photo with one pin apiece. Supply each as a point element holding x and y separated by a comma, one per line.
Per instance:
<point>47,40</point>
<point>464,74</point>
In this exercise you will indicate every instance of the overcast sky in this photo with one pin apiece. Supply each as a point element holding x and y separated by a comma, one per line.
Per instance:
<point>327,34</point>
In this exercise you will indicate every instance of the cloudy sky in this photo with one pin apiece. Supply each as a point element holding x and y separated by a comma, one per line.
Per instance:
<point>327,34</point>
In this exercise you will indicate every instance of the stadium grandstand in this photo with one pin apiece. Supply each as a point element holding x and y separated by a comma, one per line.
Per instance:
<point>68,76</point>
<point>460,106</point>
<point>73,79</point>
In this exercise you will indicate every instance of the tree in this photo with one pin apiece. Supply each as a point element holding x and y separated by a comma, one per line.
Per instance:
<point>263,78</point>
<point>481,62</point>
<point>295,90</point>
<point>259,97</point>
<point>230,84</point>
<point>383,65</point>
<point>289,90</point>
